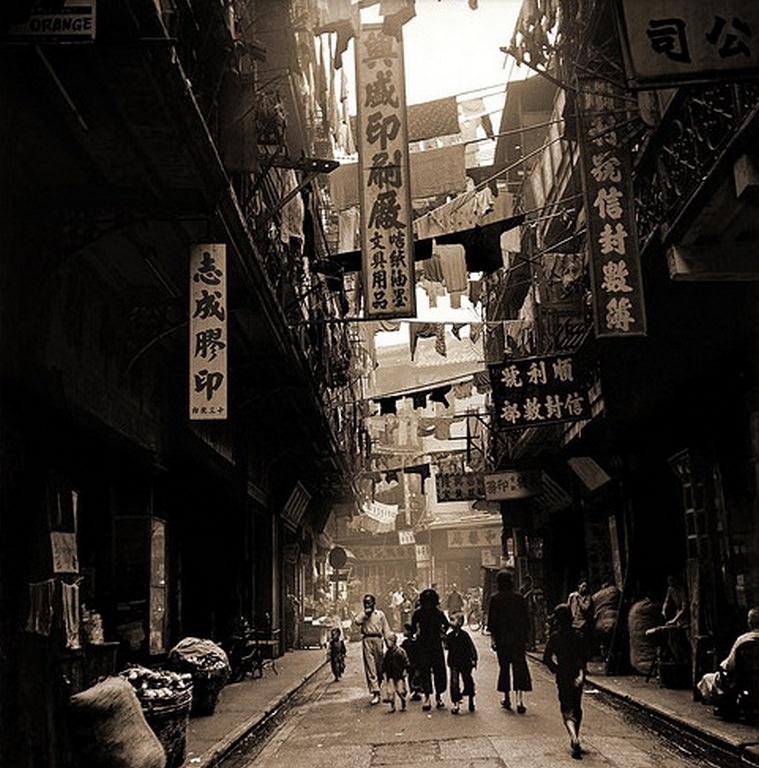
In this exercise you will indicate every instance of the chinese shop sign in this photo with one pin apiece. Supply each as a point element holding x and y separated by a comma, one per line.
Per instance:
<point>539,391</point>
<point>208,331</point>
<point>512,484</point>
<point>614,258</point>
<point>456,487</point>
<point>382,553</point>
<point>679,41</point>
<point>385,190</point>
<point>474,537</point>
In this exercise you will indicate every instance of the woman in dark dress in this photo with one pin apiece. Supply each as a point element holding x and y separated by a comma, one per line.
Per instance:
<point>508,625</point>
<point>430,624</point>
<point>564,655</point>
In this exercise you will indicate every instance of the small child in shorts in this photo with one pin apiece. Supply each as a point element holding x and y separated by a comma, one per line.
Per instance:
<point>336,653</point>
<point>394,668</point>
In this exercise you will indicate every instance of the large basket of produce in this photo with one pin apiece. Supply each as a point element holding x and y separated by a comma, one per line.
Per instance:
<point>166,699</point>
<point>209,666</point>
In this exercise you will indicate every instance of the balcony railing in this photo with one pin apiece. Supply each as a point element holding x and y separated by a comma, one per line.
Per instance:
<point>698,128</point>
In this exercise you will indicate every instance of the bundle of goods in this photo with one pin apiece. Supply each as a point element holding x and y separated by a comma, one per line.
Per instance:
<point>643,616</point>
<point>109,728</point>
<point>165,698</point>
<point>209,666</point>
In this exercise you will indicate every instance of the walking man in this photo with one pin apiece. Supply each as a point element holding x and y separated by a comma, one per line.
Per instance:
<point>375,630</point>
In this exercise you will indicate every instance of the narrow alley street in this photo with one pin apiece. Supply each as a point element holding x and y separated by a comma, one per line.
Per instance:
<point>333,725</point>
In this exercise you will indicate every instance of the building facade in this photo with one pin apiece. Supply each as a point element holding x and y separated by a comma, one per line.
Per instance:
<point>132,517</point>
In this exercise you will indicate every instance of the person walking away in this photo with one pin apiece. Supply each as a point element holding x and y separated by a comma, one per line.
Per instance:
<point>336,653</point>
<point>375,630</point>
<point>462,660</point>
<point>507,624</point>
<point>394,667</point>
<point>409,645</point>
<point>454,602</point>
<point>429,624</point>
<point>581,607</point>
<point>564,655</point>
<point>292,613</point>
<point>396,601</point>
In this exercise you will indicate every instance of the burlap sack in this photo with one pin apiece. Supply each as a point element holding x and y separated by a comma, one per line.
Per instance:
<point>109,730</point>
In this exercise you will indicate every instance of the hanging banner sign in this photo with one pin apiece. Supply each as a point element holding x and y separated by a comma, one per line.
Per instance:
<point>457,487</point>
<point>208,331</point>
<point>539,391</point>
<point>387,256</point>
<point>474,537</point>
<point>672,42</point>
<point>616,281</point>
<point>382,513</point>
<point>513,484</point>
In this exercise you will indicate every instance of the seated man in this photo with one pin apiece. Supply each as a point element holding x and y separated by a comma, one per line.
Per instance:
<point>737,674</point>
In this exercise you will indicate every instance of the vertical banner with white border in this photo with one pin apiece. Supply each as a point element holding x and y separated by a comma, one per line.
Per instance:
<point>387,255</point>
<point>208,331</point>
<point>614,251</point>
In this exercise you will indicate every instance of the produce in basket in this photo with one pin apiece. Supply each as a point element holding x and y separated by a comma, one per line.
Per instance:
<point>155,686</point>
<point>202,658</point>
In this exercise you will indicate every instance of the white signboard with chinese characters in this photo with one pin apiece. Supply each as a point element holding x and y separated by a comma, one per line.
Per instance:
<point>385,190</point>
<point>208,331</point>
<point>670,42</point>
<point>474,537</point>
<point>614,251</point>
<point>513,484</point>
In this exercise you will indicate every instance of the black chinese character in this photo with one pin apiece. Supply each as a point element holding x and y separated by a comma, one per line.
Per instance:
<point>209,306</point>
<point>731,45</point>
<point>668,37</point>
<point>208,272</point>
<point>207,381</point>
<point>385,211</point>
<point>382,128</point>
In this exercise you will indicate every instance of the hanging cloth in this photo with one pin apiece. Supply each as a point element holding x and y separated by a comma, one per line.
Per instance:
<point>72,617</point>
<point>40,620</point>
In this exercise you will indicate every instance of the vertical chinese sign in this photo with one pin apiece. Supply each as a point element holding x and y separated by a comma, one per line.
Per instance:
<point>208,331</point>
<point>614,253</point>
<point>385,187</point>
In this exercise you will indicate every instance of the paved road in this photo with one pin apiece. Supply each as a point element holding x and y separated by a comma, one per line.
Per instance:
<point>332,725</point>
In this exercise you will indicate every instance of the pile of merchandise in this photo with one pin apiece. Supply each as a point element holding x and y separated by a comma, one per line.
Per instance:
<point>209,667</point>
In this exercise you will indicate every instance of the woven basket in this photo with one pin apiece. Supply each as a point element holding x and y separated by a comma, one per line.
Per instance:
<point>169,721</point>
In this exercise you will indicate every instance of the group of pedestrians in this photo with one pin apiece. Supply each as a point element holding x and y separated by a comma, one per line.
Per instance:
<point>437,653</point>
<point>419,666</point>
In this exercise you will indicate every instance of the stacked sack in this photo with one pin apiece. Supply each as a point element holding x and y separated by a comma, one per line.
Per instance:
<point>109,730</point>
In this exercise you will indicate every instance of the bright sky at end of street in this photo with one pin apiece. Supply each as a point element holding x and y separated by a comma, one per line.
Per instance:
<point>452,49</point>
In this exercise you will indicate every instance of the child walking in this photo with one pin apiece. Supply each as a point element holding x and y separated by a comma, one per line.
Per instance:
<point>462,659</point>
<point>394,667</point>
<point>565,656</point>
<point>336,653</point>
<point>409,645</point>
